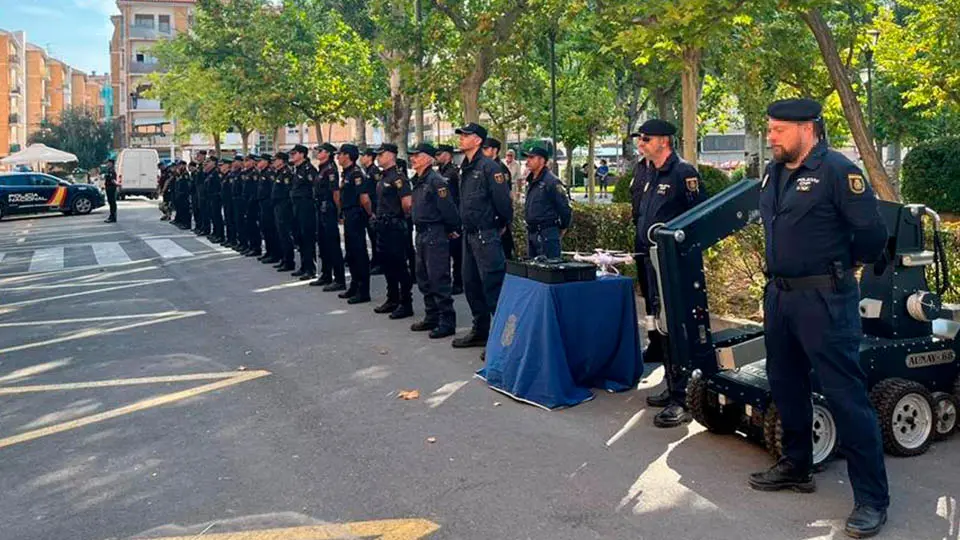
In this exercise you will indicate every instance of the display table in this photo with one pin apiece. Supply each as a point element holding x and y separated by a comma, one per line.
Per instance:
<point>549,344</point>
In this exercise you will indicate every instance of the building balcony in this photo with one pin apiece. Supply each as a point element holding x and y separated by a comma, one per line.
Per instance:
<point>14,118</point>
<point>15,90</point>
<point>148,33</point>
<point>142,104</point>
<point>143,67</point>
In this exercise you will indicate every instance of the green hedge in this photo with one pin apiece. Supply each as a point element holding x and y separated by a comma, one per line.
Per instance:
<point>621,189</point>
<point>931,175</point>
<point>714,180</point>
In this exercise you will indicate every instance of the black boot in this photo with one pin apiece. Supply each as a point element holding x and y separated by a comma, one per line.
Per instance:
<point>784,475</point>
<point>335,286</point>
<point>472,339</point>
<point>673,416</point>
<point>349,293</point>
<point>865,521</point>
<point>423,326</point>
<point>442,331</point>
<point>359,299</point>
<point>386,307</point>
<point>402,312</point>
<point>659,400</point>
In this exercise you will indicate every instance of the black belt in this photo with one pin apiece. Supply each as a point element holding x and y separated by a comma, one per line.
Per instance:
<point>428,226</point>
<point>808,283</point>
<point>540,227</point>
<point>476,230</point>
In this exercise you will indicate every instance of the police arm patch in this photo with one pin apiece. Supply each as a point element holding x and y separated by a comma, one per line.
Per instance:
<point>442,192</point>
<point>358,180</point>
<point>499,177</point>
<point>857,184</point>
<point>398,183</point>
<point>693,184</point>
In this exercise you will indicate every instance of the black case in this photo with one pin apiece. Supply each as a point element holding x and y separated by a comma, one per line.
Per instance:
<point>561,272</point>
<point>517,268</point>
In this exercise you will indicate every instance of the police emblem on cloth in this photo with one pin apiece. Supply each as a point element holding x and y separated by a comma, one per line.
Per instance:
<point>500,178</point>
<point>509,331</point>
<point>857,184</point>
<point>693,184</point>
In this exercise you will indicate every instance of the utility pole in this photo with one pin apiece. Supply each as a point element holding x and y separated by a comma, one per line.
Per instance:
<point>418,120</point>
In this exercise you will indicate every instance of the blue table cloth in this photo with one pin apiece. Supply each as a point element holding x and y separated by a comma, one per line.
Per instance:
<point>549,344</point>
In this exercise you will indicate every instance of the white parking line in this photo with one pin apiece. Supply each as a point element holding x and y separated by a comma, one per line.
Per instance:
<point>109,253</point>
<point>168,249</point>
<point>2,255</point>
<point>47,260</point>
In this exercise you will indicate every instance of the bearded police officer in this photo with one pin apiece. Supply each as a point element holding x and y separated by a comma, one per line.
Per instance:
<point>821,220</point>
<point>304,210</point>
<point>671,187</point>
<point>368,162</point>
<point>448,169</point>
<point>546,209</point>
<point>486,210</point>
<point>491,149</point>
<point>394,203</point>
<point>283,211</point>
<point>357,211</point>
<point>436,219</point>
<point>326,194</point>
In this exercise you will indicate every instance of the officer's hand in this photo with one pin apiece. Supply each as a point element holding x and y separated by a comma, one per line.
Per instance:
<point>563,232</point>
<point>454,235</point>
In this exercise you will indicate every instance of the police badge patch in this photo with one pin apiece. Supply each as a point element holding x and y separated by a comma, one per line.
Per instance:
<point>442,192</point>
<point>398,183</point>
<point>358,180</point>
<point>693,184</point>
<point>500,177</point>
<point>857,184</point>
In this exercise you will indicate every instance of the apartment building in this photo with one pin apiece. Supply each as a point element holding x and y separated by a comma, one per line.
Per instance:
<point>141,122</point>
<point>13,88</point>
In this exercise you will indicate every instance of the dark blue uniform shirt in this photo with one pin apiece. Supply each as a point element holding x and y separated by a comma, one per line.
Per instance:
<point>391,188</point>
<point>452,174</point>
<point>265,184</point>
<point>282,181</point>
<point>373,176</point>
<point>484,194</point>
<point>239,181</point>
<point>212,182</point>
<point>328,181</point>
<point>251,184</point>
<point>823,212</point>
<point>433,202</point>
<point>304,177</point>
<point>226,185</point>
<point>546,204</point>
<point>668,192</point>
<point>354,185</point>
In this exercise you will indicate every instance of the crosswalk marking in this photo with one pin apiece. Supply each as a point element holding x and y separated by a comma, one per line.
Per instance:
<point>168,249</point>
<point>209,244</point>
<point>2,255</point>
<point>47,260</point>
<point>108,253</point>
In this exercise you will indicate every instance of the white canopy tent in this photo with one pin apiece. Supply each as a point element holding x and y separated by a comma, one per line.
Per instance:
<point>38,153</point>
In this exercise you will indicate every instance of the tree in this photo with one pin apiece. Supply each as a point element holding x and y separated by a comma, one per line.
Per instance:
<point>79,132</point>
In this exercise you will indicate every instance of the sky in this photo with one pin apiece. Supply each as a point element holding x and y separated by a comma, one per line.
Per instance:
<point>74,31</point>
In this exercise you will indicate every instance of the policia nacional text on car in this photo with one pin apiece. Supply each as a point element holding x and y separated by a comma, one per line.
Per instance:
<point>820,219</point>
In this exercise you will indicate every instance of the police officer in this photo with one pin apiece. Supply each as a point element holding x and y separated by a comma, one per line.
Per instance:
<point>326,196</point>
<point>208,168</point>
<point>546,210</point>
<point>304,210</point>
<point>251,221</point>
<point>215,181</point>
<point>491,149</point>
<point>268,224</point>
<point>436,219</point>
<point>448,169</point>
<point>486,210</point>
<point>184,187</point>
<point>393,206</point>
<point>240,202</point>
<point>167,178</point>
<point>283,211</point>
<point>357,211</point>
<point>110,185</point>
<point>226,196</point>
<point>197,200</point>
<point>671,187</point>
<point>368,164</point>
<point>821,220</point>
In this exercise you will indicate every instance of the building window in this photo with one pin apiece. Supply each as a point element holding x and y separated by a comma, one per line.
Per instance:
<point>164,24</point>
<point>143,21</point>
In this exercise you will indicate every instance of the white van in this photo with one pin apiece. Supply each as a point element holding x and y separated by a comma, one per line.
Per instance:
<point>138,172</point>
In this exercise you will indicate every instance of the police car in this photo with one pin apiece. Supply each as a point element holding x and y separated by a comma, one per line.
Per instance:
<point>32,192</point>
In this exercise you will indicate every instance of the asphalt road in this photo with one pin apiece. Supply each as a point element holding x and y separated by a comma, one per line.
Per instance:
<point>155,386</point>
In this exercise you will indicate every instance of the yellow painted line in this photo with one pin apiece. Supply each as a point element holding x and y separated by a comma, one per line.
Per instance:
<point>11,390</point>
<point>386,529</point>
<point>135,407</point>
<point>91,319</point>
<point>91,332</point>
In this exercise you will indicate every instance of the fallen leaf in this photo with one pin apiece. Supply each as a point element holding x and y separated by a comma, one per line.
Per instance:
<point>431,440</point>
<point>497,404</point>
<point>409,394</point>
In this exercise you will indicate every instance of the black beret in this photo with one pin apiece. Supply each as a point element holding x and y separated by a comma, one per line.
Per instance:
<point>537,151</point>
<point>283,156</point>
<point>656,127</point>
<point>326,146</point>
<point>350,150</point>
<point>445,148</point>
<point>265,157</point>
<point>226,161</point>
<point>423,148</point>
<point>795,110</point>
<point>388,147</point>
<point>490,142</point>
<point>370,152</point>
<point>473,129</point>
<point>299,148</point>
<point>251,156</point>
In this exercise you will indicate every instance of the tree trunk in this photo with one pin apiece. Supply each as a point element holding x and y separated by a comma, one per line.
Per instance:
<point>591,169</point>
<point>663,97</point>
<point>276,139</point>
<point>895,150</point>
<point>470,96</point>
<point>316,126</point>
<point>751,151</point>
<point>216,142</point>
<point>245,140</point>
<point>631,114</point>
<point>360,132</point>
<point>851,107</point>
<point>690,89</point>
<point>399,118</point>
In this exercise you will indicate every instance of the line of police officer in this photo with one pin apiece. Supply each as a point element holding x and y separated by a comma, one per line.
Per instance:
<point>268,206</point>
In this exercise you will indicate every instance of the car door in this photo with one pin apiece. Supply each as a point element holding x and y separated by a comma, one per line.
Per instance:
<point>17,192</point>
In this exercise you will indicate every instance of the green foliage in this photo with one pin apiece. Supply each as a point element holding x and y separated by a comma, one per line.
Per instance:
<point>714,180</point>
<point>738,174</point>
<point>931,175</point>
<point>621,190</point>
<point>79,132</point>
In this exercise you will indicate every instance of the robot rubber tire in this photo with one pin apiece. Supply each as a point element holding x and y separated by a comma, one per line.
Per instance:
<point>905,411</point>
<point>707,412</point>
<point>824,432</point>
<point>945,415</point>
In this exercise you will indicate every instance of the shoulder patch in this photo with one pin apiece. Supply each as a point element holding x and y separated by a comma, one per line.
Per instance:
<point>398,183</point>
<point>358,180</point>
<point>693,184</point>
<point>500,177</point>
<point>442,192</point>
<point>856,183</point>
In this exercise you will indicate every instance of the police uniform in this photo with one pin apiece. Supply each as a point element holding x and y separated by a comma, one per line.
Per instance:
<point>325,192</point>
<point>355,219</point>
<point>226,196</point>
<point>182,197</point>
<point>435,218</point>
<point>452,174</point>
<point>373,175</point>
<point>546,211</point>
<point>167,178</point>
<point>392,230</point>
<point>485,209</point>
<point>301,194</point>
<point>214,187</point>
<point>197,199</point>
<point>668,191</point>
<point>240,207</point>
<point>506,238</point>
<point>251,188</point>
<point>268,222</point>
<point>820,221</point>
<point>110,186</point>
<point>283,211</point>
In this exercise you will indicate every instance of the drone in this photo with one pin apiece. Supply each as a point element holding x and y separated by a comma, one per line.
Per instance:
<point>606,260</point>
